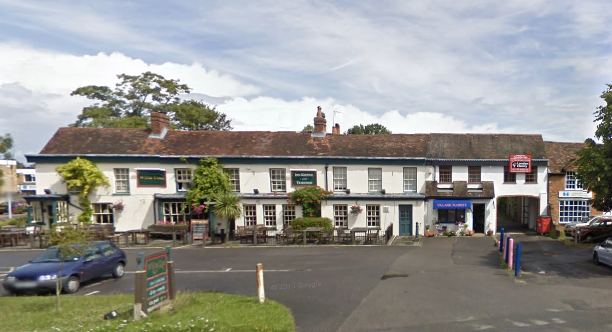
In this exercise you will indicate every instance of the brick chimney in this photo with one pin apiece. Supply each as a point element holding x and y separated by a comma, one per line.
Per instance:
<point>160,122</point>
<point>320,124</point>
<point>336,129</point>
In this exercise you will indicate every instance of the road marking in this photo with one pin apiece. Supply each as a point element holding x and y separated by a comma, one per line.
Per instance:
<point>92,293</point>
<point>485,327</point>
<point>229,270</point>
<point>539,322</point>
<point>558,320</point>
<point>553,310</point>
<point>520,324</point>
<point>3,275</point>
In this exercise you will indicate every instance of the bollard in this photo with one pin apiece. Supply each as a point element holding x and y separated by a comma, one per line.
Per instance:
<point>417,230</point>
<point>517,268</point>
<point>260,284</point>
<point>510,252</point>
<point>506,248</point>
<point>501,240</point>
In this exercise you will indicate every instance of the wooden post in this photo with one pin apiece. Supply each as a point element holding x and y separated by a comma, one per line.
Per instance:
<point>260,284</point>
<point>255,235</point>
<point>174,238</point>
<point>139,293</point>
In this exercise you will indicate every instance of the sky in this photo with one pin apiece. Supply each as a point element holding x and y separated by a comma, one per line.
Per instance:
<point>438,66</point>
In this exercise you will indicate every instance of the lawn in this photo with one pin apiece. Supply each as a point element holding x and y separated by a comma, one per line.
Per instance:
<point>189,312</point>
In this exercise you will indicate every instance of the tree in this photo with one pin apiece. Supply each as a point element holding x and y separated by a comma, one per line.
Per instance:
<point>370,129</point>
<point>135,97</point>
<point>308,129</point>
<point>227,206</point>
<point>6,145</point>
<point>595,160</point>
<point>83,175</point>
<point>208,182</point>
<point>309,198</point>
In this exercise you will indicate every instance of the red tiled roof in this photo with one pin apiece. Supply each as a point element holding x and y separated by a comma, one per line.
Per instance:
<point>561,155</point>
<point>484,146</point>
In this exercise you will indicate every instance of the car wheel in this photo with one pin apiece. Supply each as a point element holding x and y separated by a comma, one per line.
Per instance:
<point>596,258</point>
<point>72,285</point>
<point>119,270</point>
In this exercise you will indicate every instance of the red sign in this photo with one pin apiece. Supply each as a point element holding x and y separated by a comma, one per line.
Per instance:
<point>520,163</point>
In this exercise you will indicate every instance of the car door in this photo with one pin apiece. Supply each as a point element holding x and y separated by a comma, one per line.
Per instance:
<point>109,256</point>
<point>605,253</point>
<point>93,263</point>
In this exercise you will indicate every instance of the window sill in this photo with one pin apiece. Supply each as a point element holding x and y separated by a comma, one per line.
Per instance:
<point>121,194</point>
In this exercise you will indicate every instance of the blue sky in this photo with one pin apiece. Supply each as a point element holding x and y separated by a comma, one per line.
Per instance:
<point>533,67</point>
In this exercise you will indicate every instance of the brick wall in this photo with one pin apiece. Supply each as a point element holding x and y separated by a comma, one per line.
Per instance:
<point>556,183</point>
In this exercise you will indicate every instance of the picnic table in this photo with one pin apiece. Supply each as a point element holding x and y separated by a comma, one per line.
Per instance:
<point>312,230</point>
<point>356,230</point>
<point>12,236</point>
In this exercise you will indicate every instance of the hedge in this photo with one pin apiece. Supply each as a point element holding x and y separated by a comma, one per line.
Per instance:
<point>303,223</point>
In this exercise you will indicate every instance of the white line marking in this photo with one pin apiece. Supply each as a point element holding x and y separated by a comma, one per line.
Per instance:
<point>558,320</point>
<point>3,275</point>
<point>520,324</point>
<point>485,327</point>
<point>227,270</point>
<point>553,310</point>
<point>92,293</point>
<point>539,322</point>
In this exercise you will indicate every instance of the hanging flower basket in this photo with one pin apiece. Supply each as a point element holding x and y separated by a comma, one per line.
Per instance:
<point>356,209</point>
<point>118,206</point>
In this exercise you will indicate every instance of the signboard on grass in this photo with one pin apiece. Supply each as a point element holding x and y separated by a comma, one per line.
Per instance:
<point>199,229</point>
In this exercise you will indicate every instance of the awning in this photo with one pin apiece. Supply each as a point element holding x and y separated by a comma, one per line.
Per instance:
<point>451,204</point>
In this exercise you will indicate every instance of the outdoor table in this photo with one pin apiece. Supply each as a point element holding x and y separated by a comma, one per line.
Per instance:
<point>133,236</point>
<point>311,230</point>
<point>12,236</point>
<point>355,230</point>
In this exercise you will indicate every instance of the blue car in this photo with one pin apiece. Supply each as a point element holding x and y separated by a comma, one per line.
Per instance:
<point>72,265</point>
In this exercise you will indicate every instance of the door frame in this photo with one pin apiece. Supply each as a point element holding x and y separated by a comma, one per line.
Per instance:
<point>411,222</point>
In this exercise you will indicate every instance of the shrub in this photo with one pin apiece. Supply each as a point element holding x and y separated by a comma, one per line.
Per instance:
<point>309,198</point>
<point>303,223</point>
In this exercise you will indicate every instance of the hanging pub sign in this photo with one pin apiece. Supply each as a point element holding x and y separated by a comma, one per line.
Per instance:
<point>303,178</point>
<point>520,163</point>
<point>151,178</point>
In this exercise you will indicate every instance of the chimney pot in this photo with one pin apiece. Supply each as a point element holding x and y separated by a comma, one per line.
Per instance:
<point>320,124</point>
<point>160,122</point>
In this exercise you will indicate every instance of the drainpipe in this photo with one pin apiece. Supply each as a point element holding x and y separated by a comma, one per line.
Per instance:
<point>326,168</point>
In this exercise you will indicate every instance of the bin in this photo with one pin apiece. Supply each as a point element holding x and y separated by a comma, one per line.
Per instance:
<point>543,224</point>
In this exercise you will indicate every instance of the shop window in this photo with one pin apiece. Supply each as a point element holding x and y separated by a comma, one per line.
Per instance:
<point>570,211</point>
<point>341,215</point>
<point>451,216</point>
<point>446,174</point>
<point>250,214</point>
<point>270,215</point>
<point>173,212</point>
<point>373,215</point>
<point>288,214</point>
<point>102,213</point>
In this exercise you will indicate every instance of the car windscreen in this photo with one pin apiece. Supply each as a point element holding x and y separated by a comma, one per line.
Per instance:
<point>66,254</point>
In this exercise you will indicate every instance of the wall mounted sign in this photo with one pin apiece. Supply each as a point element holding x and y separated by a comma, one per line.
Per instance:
<point>520,163</point>
<point>303,178</point>
<point>575,194</point>
<point>448,204</point>
<point>151,178</point>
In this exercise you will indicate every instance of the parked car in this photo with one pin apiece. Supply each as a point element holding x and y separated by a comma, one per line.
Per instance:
<point>602,253</point>
<point>599,227</point>
<point>570,227</point>
<point>4,207</point>
<point>72,267</point>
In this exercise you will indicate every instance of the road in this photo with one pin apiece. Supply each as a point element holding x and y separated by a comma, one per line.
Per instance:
<point>451,284</point>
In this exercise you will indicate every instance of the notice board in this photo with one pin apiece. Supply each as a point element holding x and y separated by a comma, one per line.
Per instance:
<point>199,229</point>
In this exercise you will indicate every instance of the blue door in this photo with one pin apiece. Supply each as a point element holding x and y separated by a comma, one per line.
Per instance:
<point>405,220</point>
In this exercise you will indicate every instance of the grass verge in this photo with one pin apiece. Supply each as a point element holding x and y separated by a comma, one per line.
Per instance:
<point>189,312</point>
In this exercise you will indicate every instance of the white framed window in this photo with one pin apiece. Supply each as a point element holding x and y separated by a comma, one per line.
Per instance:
<point>122,180</point>
<point>339,178</point>
<point>410,179</point>
<point>374,180</point>
<point>250,214</point>
<point>173,212</point>
<point>270,215</point>
<point>29,178</point>
<point>341,215</point>
<point>183,178</point>
<point>278,179</point>
<point>234,177</point>
<point>288,214</point>
<point>102,213</point>
<point>573,210</point>
<point>572,182</point>
<point>373,215</point>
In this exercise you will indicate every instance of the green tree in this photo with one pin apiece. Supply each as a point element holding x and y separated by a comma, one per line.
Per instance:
<point>595,160</point>
<point>370,129</point>
<point>6,145</point>
<point>135,97</point>
<point>83,175</point>
<point>308,128</point>
<point>309,198</point>
<point>208,182</point>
